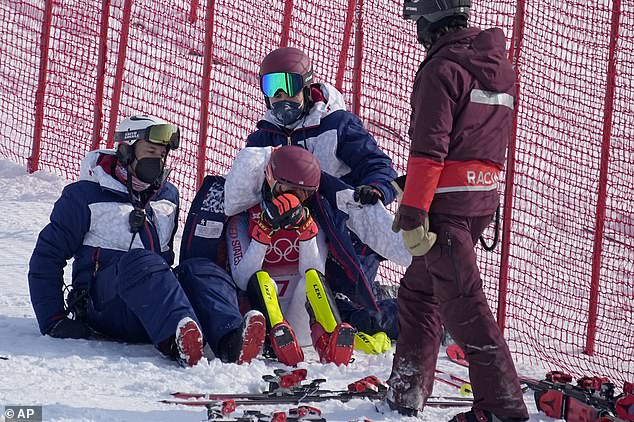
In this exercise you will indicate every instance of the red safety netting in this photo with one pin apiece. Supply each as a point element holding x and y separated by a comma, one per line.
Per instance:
<point>565,271</point>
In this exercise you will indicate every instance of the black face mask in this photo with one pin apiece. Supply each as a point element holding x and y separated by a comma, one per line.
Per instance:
<point>148,170</point>
<point>287,112</point>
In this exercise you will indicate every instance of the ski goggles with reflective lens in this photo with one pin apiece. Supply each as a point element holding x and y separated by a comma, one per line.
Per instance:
<point>290,83</point>
<point>162,134</point>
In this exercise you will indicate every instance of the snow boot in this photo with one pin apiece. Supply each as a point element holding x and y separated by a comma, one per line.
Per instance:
<point>262,294</point>
<point>245,342</point>
<point>189,342</point>
<point>479,415</point>
<point>388,405</point>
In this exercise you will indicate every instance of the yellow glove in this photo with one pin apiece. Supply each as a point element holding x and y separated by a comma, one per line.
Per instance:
<point>372,344</point>
<point>418,241</point>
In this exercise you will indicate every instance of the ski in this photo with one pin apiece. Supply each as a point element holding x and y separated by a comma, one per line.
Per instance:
<point>4,358</point>
<point>285,387</point>
<point>461,384</point>
<point>302,413</point>
<point>287,384</point>
<point>229,405</point>
<point>592,399</point>
<point>265,400</point>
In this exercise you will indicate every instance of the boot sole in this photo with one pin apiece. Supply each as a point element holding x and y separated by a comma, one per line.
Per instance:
<point>190,344</point>
<point>253,337</point>
<point>344,344</point>
<point>285,346</point>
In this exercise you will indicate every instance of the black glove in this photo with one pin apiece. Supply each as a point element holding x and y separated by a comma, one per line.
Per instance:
<point>366,194</point>
<point>69,328</point>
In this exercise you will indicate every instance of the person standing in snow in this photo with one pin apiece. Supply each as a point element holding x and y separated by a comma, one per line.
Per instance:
<point>313,116</point>
<point>462,111</point>
<point>118,223</point>
<point>277,256</point>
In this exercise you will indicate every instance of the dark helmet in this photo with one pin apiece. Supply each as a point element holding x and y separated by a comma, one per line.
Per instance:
<point>430,15</point>
<point>293,166</point>
<point>287,59</point>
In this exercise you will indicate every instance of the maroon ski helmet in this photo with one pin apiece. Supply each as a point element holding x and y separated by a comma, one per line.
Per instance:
<point>286,59</point>
<point>293,166</point>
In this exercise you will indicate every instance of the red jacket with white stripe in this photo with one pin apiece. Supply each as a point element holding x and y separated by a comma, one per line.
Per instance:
<point>462,110</point>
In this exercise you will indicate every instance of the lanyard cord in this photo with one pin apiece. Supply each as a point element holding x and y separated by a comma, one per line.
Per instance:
<point>137,215</point>
<point>496,234</point>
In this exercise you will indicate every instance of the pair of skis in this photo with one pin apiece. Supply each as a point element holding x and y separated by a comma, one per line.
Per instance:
<point>286,388</point>
<point>591,399</point>
<point>301,413</point>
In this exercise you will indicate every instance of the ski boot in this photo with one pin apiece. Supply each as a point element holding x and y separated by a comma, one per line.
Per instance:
<point>263,297</point>
<point>186,346</point>
<point>245,342</point>
<point>189,342</point>
<point>333,339</point>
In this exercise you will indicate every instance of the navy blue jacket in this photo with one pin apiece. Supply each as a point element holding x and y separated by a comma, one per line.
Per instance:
<point>343,147</point>
<point>89,223</point>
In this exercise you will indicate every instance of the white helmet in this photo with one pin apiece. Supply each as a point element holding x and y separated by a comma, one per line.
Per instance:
<point>148,128</point>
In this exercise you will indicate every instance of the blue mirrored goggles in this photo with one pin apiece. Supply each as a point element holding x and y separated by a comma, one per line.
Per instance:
<point>291,83</point>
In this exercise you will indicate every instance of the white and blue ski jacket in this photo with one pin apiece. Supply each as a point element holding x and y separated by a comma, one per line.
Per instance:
<point>337,138</point>
<point>90,223</point>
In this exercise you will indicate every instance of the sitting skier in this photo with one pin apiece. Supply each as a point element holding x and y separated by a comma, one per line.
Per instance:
<point>277,255</point>
<point>118,223</point>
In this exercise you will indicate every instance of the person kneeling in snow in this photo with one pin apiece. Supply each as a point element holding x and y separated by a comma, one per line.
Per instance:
<point>118,223</point>
<point>277,256</point>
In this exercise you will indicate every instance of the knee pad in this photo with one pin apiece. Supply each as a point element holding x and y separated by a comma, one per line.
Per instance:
<point>262,294</point>
<point>321,304</point>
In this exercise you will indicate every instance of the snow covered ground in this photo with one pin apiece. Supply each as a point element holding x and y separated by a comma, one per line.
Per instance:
<point>80,380</point>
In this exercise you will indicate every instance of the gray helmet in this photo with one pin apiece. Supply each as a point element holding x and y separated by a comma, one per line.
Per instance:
<point>430,15</point>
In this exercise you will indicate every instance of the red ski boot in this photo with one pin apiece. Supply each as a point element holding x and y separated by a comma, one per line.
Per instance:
<point>335,347</point>
<point>285,344</point>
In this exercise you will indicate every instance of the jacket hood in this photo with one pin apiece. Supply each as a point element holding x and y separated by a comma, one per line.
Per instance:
<point>482,53</point>
<point>331,101</point>
<point>91,171</point>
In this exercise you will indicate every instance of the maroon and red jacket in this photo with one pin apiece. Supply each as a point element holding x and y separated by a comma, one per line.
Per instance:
<point>462,110</point>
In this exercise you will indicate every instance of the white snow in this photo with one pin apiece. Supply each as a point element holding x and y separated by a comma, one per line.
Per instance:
<point>90,380</point>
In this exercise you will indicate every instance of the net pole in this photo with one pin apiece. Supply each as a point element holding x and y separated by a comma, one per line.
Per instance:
<point>599,228</point>
<point>33,162</point>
